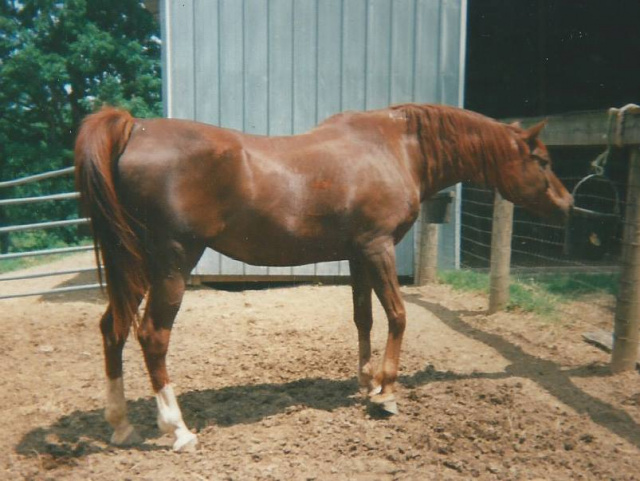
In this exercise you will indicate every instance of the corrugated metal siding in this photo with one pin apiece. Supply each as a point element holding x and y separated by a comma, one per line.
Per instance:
<point>279,67</point>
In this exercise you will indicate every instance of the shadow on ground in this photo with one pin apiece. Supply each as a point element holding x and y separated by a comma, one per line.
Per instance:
<point>93,296</point>
<point>548,375</point>
<point>85,432</point>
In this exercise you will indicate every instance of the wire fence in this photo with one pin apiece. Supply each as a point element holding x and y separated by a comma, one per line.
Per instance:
<point>539,245</point>
<point>582,253</point>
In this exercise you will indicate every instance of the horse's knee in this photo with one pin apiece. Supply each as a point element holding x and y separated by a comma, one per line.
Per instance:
<point>153,341</point>
<point>397,323</point>
<point>154,348</point>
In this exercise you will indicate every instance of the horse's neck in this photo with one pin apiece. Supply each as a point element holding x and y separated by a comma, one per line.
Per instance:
<point>447,164</point>
<point>448,141</point>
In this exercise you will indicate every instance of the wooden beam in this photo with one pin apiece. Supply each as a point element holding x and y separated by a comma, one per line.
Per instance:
<point>590,128</point>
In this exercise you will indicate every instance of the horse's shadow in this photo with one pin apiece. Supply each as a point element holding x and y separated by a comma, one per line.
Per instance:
<point>81,433</point>
<point>93,296</point>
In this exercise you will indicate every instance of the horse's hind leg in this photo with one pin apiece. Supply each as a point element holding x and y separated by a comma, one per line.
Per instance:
<point>362,315</point>
<point>165,297</point>
<point>380,261</point>
<point>116,409</point>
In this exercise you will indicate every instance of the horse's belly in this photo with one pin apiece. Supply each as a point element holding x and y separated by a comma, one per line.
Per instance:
<point>280,249</point>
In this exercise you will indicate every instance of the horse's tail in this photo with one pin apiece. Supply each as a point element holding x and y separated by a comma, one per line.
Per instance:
<point>101,140</point>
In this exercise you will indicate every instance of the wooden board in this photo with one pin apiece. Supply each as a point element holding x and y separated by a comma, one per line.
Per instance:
<point>603,340</point>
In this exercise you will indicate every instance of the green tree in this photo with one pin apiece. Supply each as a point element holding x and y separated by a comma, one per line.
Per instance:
<point>60,60</point>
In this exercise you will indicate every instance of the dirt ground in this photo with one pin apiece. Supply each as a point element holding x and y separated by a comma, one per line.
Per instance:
<point>267,379</point>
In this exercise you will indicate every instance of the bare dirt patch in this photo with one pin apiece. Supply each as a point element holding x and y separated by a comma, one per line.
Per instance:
<point>267,379</point>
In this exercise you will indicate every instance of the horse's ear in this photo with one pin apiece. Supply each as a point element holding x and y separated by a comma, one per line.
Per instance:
<point>534,131</point>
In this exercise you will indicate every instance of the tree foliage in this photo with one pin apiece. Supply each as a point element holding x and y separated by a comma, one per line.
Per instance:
<point>60,60</point>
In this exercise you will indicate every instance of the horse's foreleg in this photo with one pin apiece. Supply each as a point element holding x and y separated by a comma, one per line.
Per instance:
<point>154,333</point>
<point>362,315</point>
<point>382,270</point>
<point>116,409</point>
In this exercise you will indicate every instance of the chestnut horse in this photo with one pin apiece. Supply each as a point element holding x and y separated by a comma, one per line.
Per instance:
<point>160,191</point>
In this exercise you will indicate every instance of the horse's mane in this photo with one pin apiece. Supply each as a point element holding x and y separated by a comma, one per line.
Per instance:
<point>459,142</point>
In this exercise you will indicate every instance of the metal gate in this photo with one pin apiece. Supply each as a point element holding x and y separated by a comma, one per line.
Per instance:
<point>42,225</point>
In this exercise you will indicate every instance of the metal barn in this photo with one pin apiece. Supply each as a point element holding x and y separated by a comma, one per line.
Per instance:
<point>279,67</point>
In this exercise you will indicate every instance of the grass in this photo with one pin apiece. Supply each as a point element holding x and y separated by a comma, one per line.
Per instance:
<point>573,286</point>
<point>541,293</point>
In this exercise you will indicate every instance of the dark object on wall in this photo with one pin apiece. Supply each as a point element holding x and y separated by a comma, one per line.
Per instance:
<point>438,208</point>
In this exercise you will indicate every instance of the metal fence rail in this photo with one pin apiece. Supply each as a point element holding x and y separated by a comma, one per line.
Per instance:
<point>29,200</point>
<point>57,290</point>
<point>37,275</point>
<point>45,252</point>
<point>43,225</point>
<point>34,178</point>
<point>39,226</point>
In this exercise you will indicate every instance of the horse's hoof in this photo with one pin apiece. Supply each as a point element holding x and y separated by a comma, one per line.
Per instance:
<point>186,443</point>
<point>385,402</point>
<point>126,436</point>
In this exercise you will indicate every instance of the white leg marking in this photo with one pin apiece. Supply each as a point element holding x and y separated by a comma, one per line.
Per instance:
<point>170,420</point>
<point>116,414</point>
<point>376,389</point>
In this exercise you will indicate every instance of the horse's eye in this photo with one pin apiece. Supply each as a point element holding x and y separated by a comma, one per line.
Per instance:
<point>542,160</point>
<point>541,156</point>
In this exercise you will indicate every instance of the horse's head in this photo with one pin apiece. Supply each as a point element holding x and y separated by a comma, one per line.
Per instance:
<point>526,178</point>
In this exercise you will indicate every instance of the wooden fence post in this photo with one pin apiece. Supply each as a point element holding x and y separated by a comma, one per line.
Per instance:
<point>500,253</point>
<point>627,317</point>
<point>427,253</point>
